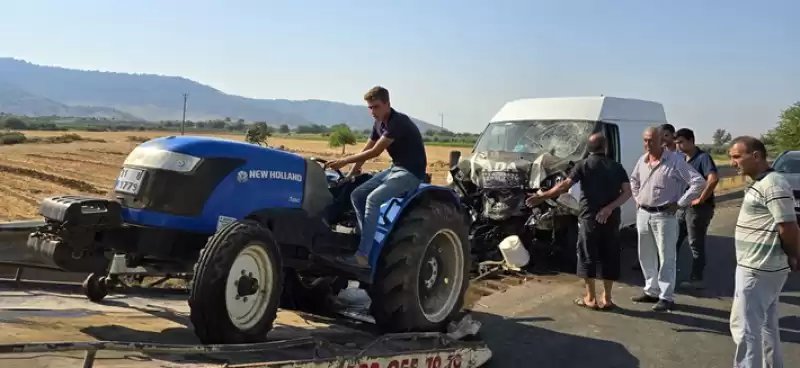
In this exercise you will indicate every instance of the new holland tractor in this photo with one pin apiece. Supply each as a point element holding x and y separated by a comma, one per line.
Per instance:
<point>254,228</point>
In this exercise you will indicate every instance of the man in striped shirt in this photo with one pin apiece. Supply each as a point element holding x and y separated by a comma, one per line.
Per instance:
<point>767,247</point>
<point>657,183</point>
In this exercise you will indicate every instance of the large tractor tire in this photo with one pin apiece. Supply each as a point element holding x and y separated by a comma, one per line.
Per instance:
<point>422,273</point>
<point>237,285</point>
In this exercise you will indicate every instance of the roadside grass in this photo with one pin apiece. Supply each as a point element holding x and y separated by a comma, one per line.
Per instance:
<point>732,183</point>
<point>9,138</point>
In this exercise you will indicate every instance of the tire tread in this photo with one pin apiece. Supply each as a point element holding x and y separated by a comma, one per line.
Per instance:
<point>207,287</point>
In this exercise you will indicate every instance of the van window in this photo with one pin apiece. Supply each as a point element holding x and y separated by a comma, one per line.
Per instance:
<point>611,131</point>
<point>565,139</point>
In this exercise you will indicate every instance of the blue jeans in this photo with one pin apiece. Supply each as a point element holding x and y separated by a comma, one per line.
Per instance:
<point>368,198</point>
<point>658,236</point>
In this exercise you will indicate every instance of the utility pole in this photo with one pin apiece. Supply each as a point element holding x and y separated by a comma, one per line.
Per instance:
<point>441,120</point>
<point>183,121</point>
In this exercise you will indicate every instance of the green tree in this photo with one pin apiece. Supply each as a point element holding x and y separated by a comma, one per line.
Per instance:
<point>15,123</point>
<point>342,136</point>
<point>787,134</point>
<point>258,133</point>
<point>721,137</point>
<point>284,129</point>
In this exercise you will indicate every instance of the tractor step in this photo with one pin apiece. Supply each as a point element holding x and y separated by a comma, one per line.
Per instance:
<point>326,260</point>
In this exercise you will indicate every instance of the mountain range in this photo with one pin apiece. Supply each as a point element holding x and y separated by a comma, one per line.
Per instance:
<point>39,90</point>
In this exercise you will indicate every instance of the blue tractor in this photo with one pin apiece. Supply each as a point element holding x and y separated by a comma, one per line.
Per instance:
<point>255,229</point>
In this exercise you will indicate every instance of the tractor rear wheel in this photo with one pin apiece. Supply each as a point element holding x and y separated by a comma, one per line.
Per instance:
<point>237,285</point>
<point>422,273</point>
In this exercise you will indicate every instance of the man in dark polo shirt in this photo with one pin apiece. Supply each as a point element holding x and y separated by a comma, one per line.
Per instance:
<point>604,188</point>
<point>395,133</point>
<point>694,220</point>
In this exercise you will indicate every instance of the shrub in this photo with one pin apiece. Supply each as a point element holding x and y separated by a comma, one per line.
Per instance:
<point>136,138</point>
<point>12,138</point>
<point>18,138</point>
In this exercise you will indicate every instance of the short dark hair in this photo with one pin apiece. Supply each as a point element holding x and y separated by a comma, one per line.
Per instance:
<point>597,143</point>
<point>685,133</point>
<point>668,127</point>
<point>751,144</point>
<point>377,93</point>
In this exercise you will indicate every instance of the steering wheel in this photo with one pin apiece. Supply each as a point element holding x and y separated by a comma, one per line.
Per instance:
<point>323,161</point>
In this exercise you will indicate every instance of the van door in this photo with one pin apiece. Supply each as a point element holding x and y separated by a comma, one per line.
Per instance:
<point>611,131</point>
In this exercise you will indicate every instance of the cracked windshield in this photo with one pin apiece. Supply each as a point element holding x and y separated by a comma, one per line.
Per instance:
<point>562,139</point>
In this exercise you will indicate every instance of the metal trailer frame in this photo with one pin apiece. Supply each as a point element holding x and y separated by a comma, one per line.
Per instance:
<point>448,350</point>
<point>447,353</point>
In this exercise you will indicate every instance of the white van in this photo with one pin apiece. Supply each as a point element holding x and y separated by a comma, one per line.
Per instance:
<point>531,142</point>
<point>622,120</point>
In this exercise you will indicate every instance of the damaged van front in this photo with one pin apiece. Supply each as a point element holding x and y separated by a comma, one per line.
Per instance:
<point>511,160</point>
<point>529,145</point>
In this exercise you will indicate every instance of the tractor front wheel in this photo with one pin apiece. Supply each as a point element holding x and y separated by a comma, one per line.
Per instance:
<point>237,285</point>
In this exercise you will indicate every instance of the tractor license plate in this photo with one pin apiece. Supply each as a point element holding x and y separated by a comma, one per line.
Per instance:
<point>129,181</point>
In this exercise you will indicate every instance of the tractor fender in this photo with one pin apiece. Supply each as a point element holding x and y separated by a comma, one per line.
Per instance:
<point>392,211</point>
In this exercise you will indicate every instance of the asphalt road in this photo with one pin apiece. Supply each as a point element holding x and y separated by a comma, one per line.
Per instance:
<point>726,171</point>
<point>536,324</point>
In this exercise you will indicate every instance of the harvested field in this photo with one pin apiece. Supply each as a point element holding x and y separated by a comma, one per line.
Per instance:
<point>30,172</point>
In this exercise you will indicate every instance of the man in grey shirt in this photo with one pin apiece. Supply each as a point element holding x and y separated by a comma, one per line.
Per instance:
<point>657,183</point>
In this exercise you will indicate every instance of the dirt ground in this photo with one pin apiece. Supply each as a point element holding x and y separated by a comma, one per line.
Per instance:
<point>30,172</point>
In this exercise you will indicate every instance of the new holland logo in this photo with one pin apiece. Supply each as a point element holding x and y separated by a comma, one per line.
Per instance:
<point>243,176</point>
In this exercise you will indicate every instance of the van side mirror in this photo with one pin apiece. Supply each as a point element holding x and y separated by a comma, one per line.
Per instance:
<point>455,156</point>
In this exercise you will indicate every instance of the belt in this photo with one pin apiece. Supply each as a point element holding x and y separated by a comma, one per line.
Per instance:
<point>652,209</point>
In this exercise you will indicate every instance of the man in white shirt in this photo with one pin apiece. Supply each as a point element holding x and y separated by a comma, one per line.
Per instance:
<point>767,248</point>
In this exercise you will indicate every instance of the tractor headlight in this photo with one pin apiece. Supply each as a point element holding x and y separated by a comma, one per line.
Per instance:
<point>157,158</point>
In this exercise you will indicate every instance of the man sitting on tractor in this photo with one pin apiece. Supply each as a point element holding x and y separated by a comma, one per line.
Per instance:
<point>394,132</point>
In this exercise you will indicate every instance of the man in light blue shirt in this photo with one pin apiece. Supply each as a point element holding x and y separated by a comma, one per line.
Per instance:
<point>657,182</point>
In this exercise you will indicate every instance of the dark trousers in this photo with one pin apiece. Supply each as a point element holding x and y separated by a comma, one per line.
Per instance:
<point>693,224</point>
<point>598,248</point>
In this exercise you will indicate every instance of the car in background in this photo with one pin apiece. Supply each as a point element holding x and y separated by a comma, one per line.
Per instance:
<point>788,164</point>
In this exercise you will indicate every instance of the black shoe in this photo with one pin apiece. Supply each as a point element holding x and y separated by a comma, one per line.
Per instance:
<point>664,305</point>
<point>644,298</point>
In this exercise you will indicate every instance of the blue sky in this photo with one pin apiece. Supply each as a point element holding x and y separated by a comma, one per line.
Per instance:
<point>711,63</point>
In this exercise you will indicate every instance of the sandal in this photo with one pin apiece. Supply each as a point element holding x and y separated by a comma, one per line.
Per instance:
<point>608,307</point>
<point>582,303</point>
